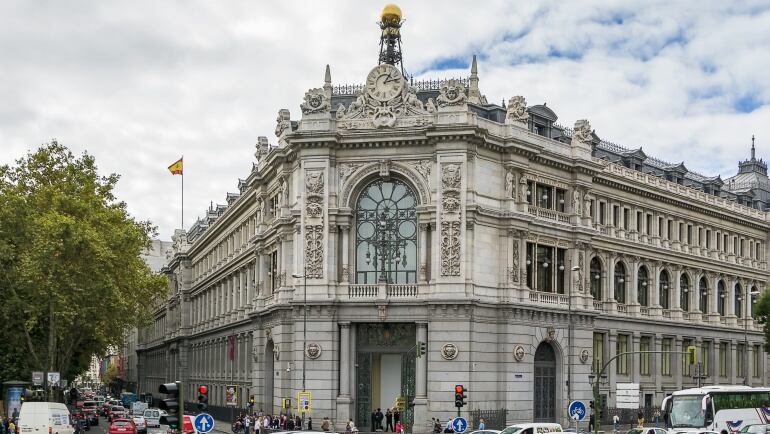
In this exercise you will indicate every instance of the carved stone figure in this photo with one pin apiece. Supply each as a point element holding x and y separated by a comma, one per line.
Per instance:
<point>431,106</point>
<point>263,147</point>
<point>313,351</point>
<point>449,351</point>
<point>582,132</point>
<point>358,104</point>
<point>518,353</point>
<point>577,202</point>
<point>314,182</point>
<point>587,206</point>
<point>450,176</point>
<point>340,111</point>
<point>523,189</point>
<point>315,102</point>
<point>283,123</point>
<point>517,110</point>
<point>452,93</point>
<point>284,192</point>
<point>260,210</point>
<point>510,185</point>
<point>412,100</point>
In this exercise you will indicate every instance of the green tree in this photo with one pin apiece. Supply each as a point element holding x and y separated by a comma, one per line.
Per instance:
<point>72,277</point>
<point>762,315</point>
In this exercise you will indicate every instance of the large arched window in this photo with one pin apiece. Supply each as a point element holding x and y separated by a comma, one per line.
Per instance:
<point>596,278</point>
<point>663,290</point>
<point>620,283</point>
<point>641,288</point>
<point>386,233</point>
<point>684,285</point>
<point>703,293</point>
<point>721,297</point>
<point>738,300</point>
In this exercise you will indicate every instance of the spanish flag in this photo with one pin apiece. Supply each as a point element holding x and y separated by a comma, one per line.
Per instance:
<point>176,168</point>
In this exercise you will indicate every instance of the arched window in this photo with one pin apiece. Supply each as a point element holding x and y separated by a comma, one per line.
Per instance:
<point>596,278</point>
<point>663,290</point>
<point>684,284</point>
<point>721,294</point>
<point>620,283</point>
<point>754,295</point>
<point>703,293</point>
<point>738,300</point>
<point>641,287</point>
<point>386,233</point>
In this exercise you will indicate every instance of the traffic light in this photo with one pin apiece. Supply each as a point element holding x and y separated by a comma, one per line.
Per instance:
<point>692,355</point>
<point>251,401</point>
<point>460,396</point>
<point>421,349</point>
<point>172,404</point>
<point>203,398</point>
<point>591,405</point>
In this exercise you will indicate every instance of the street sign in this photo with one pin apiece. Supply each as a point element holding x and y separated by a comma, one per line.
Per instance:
<point>627,395</point>
<point>304,400</point>
<point>577,410</point>
<point>37,378</point>
<point>53,378</point>
<point>203,423</point>
<point>459,424</point>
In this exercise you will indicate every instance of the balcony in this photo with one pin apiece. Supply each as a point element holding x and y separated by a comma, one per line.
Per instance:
<point>599,305</point>
<point>548,298</point>
<point>549,214</point>
<point>374,291</point>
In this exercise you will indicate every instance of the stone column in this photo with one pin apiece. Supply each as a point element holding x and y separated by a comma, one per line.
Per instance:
<point>612,351</point>
<point>653,288</point>
<point>345,253</point>
<point>713,313</point>
<point>610,301</point>
<point>732,357</point>
<point>344,400</point>
<point>633,293</point>
<point>676,361</point>
<point>423,253</point>
<point>656,367</point>
<point>636,359</point>
<point>421,424</point>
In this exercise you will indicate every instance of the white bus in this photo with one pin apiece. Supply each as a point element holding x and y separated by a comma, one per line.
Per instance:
<point>721,409</point>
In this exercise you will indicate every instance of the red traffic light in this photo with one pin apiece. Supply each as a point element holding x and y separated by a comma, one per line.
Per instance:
<point>203,390</point>
<point>459,389</point>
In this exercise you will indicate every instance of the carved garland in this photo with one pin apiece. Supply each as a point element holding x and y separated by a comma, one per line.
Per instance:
<point>314,224</point>
<point>451,219</point>
<point>357,176</point>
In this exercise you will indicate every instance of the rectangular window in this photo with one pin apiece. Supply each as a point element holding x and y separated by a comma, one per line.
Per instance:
<point>545,268</point>
<point>621,346</point>
<point>639,221</point>
<point>719,241</point>
<point>530,262</point>
<point>561,270</point>
<point>680,230</point>
<point>686,371</point>
<point>598,352</point>
<point>670,229</point>
<point>615,216</point>
<point>626,214</point>
<point>740,361</point>
<point>592,212</point>
<point>602,213</point>
<point>756,355</point>
<point>560,199</point>
<point>665,357</point>
<point>741,252</point>
<point>531,192</point>
<point>708,238</point>
<point>648,221</point>
<point>704,358</point>
<point>660,227</point>
<point>644,359</point>
<point>545,196</point>
<point>689,234</point>
<point>274,277</point>
<point>723,359</point>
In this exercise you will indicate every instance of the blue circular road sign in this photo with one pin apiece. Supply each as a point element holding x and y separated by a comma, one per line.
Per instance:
<point>577,411</point>
<point>459,424</point>
<point>203,423</point>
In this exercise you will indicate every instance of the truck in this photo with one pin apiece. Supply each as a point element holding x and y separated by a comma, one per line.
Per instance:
<point>128,398</point>
<point>138,408</point>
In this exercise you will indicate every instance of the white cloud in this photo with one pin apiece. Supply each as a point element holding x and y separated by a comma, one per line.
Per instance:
<point>139,84</point>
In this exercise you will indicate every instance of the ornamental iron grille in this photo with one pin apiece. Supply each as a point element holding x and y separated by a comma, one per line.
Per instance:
<point>386,233</point>
<point>544,391</point>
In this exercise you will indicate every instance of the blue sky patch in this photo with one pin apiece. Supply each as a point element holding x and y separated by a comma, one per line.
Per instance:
<point>451,63</point>
<point>747,103</point>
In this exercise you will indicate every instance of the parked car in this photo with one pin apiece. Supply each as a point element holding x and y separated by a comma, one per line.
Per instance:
<point>122,426</point>
<point>532,428</point>
<point>141,424</point>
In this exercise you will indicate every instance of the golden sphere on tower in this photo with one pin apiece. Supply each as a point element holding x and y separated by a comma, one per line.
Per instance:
<point>391,14</point>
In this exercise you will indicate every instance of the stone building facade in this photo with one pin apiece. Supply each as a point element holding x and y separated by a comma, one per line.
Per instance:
<point>523,254</point>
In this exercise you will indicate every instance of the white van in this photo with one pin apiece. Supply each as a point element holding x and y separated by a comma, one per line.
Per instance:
<point>152,416</point>
<point>45,418</point>
<point>533,428</point>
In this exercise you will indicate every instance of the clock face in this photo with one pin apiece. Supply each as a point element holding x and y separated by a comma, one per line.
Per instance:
<point>384,82</point>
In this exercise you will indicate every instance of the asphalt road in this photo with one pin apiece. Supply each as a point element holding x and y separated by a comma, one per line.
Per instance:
<point>104,427</point>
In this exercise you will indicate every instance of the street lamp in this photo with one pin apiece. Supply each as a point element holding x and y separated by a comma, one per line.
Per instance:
<point>304,319</point>
<point>747,296</point>
<point>569,337</point>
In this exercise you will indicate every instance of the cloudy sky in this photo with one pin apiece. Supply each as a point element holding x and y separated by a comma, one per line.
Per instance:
<point>140,83</point>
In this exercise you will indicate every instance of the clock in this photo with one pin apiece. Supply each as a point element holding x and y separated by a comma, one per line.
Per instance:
<point>384,82</point>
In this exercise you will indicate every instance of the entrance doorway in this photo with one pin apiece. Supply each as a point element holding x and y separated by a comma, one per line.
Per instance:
<point>544,398</point>
<point>385,371</point>
<point>267,394</point>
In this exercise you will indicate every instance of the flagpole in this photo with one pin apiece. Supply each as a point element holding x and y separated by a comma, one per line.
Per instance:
<point>182,192</point>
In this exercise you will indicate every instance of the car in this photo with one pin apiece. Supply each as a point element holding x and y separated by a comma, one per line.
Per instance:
<point>532,428</point>
<point>117,412</point>
<point>152,417</point>
<point>755,429</point>
<point>122,426</point>
<point>486,431</point>
<point>45,417</point>
<point>141,424</point>
<point>647,430</point>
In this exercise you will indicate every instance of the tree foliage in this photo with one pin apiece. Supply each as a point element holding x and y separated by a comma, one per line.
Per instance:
<point>72,277</point>
<point>762,315</point>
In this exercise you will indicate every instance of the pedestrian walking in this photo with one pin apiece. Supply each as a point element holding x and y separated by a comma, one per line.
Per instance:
<point>482,425</point>
<point>591,422</point>
<point>310,424</point>
<point>616,424</point>
<point>389,421</point>
<point>399,428</point>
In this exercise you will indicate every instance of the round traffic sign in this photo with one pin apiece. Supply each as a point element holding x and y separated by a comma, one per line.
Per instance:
<point>577,410</point>
<point>459,424</point>
<point>203,423</point>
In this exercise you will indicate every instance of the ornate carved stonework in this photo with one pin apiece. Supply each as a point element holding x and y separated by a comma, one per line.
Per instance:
<point>449,351</point>
<point>517,110</point>
<point>510,185</point>
<point>385,169</point>
<point>582,132</point>
<point>371,168</point>
<point>315,102</point>
<point>577,202</point>
<point>314,223</point>
<point>423,168</point>
<point>450,248</point>
<point>452,94</point>
<point>514,274</point>
<point>263,147</point>
<point>313,351</point>
<point>451,217</point>
<point>584,355</point>
<point>518,353</point>
<point>282,126</point>
<point>347,169</point>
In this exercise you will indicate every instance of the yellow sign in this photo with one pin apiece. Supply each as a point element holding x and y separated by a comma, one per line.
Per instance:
<point>400,403</point>
<point>304,402</point>
<point>286,403</point>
